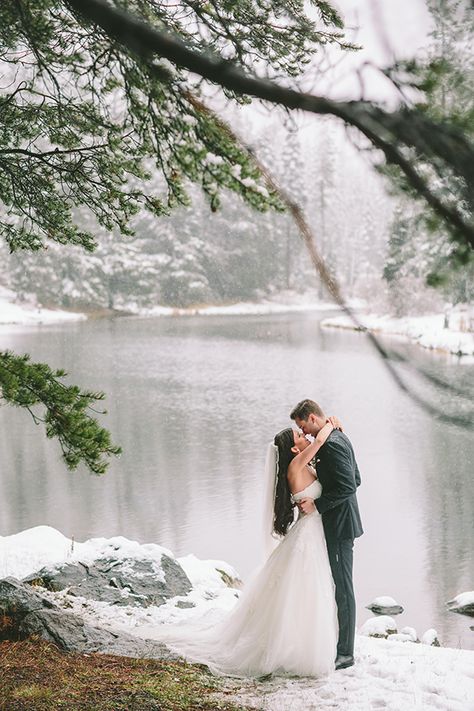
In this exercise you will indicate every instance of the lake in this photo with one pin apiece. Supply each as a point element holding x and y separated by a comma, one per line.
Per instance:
<point>194,401</point>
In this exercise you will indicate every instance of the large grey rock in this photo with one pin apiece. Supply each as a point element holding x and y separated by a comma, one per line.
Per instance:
<point>18,599</point>
<point>380,626</point>
<point>463,604</point>
<point>127,581</point>
<point>385,605</point>
<point>430,637</point>
<point>28,612</point>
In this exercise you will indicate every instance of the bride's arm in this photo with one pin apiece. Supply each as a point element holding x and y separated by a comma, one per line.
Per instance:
<point>307,454</point>
<point>335,422</point>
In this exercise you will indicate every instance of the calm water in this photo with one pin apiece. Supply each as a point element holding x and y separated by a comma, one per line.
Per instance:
<point>194,401</point>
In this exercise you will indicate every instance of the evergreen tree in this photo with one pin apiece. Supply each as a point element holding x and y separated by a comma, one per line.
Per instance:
<point>291,179</point>
<point>400,251</point>
<point>84,123</point>
<point>449,81</point>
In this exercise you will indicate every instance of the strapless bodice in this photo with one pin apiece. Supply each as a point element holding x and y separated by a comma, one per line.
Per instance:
<point>312,491</point>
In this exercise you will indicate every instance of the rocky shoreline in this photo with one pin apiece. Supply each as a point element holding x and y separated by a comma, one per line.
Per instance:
<point>86,601</point>
<point>95,600</point>
<point>96,595</point>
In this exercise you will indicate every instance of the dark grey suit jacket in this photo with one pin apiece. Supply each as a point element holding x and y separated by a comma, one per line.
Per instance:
<point>339,475</point>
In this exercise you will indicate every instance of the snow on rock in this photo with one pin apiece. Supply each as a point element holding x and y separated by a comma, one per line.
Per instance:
<point>381,626</point>
<point>119,548</point>
<point>385,605</point>
<point>410,632</point>
<point>401,637</point>
<point>407,634</point>
<point>115,570</point>
<point>30,313</point>
<point>384,601</point>
<point>427,331</point>
<point>430,637</point>
<point>124,581</point>
<point>462,603</point>
<point>210,573</point>
<point>24,554</point>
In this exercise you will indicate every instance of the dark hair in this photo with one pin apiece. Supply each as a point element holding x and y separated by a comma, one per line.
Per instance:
<point>304,409</point>
<point>283,507</point>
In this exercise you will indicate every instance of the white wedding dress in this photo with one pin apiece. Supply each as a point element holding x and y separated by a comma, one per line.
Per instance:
<point>285,621</point>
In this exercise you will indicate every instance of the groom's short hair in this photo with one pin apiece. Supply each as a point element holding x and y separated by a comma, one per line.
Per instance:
<point>304,409</point>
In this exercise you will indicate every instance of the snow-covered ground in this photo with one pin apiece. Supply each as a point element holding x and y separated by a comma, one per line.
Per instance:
<point>389,675</point>
<point>29,313</point>
<point>284,302</point>
<point>427,331</point>
<point>239,309</point>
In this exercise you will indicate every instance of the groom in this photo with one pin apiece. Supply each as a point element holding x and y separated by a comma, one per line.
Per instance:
<point>338,473</point>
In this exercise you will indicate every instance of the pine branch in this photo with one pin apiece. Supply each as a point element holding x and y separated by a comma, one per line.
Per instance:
<point>82,439</point>
<point>400,135</point>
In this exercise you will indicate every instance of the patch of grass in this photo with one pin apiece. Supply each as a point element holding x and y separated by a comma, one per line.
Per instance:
<point>38,676</point>
<point>32,692</point>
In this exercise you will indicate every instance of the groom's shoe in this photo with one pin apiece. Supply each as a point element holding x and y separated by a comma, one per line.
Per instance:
<point>342,662</point>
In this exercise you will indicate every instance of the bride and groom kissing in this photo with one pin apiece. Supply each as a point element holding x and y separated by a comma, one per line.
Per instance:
<point>296,616</point>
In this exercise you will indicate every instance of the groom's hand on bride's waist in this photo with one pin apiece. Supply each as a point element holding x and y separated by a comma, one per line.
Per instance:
<point>306,506</point>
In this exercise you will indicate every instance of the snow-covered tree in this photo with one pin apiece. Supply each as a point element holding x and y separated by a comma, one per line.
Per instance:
<point>432,257</point>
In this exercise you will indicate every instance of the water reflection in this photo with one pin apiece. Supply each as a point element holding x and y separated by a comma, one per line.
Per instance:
<point>194,401</point>
<point>449,520</point>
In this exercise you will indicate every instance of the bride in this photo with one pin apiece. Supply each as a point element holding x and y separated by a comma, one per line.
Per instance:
<point>285,621</point>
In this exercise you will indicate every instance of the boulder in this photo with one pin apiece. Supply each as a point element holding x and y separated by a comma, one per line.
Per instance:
<point>26,612</point>
<point>124,581</point>
<point>185,604</point>
<point>430,637</point>
<point>211,574</point>
<point>381,626</point>
<point>407,634</point>
<point>232,581</point>
<point>462,604</point>
<point>411,632</point>
<point>385,605</point>
<point>20,599</point>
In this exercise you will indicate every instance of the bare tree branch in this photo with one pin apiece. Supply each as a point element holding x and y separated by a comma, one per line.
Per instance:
<point>404,136</point>
<point>396,134</point>
<point>388,357</point>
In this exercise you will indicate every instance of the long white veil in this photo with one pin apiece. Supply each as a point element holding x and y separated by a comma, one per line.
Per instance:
<point>270,538</point>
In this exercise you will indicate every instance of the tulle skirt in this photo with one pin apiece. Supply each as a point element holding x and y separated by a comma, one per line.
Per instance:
<point>285,621</point>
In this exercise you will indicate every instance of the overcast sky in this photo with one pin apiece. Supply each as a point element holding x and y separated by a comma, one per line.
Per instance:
<point>402,24</point>
<point>385,29</point>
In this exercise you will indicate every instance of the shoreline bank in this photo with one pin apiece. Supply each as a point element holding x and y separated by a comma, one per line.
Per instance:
<point>407,675</point>
<point>14,313</point>
<point>427,332</point>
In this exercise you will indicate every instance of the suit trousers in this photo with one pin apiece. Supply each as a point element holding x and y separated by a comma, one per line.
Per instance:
<point>341,558</point>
